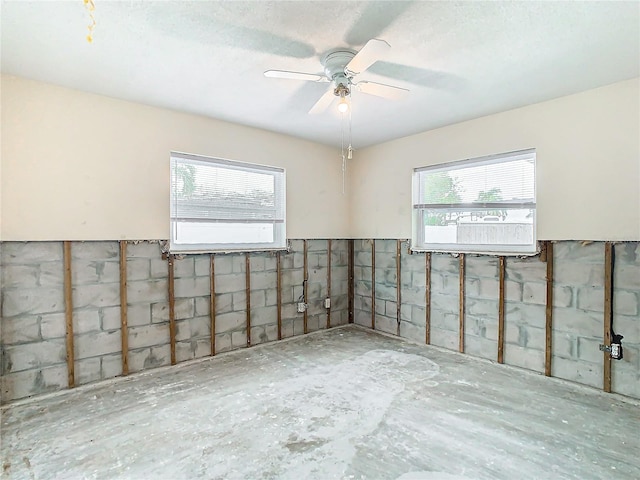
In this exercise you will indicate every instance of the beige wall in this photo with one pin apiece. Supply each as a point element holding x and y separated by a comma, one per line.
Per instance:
<point>588,165</point>
<point>77,166</point>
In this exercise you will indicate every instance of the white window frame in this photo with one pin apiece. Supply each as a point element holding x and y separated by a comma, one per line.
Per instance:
<point>421,244</point>
<point>278,223</point>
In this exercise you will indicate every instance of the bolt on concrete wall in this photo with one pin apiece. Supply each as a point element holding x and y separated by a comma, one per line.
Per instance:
<point>33,322</point>
<point>578,313</point>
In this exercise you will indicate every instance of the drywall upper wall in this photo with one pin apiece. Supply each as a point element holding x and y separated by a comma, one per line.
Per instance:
<point>588,165</point>
<point>77,166</point>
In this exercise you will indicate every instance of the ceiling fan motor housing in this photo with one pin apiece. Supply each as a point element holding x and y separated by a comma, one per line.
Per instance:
<point>334,67</point>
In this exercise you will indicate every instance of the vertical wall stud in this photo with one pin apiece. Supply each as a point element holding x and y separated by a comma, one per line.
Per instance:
<point>398,284</point>
<point>68,303</point>
<point>304,289</point>
<point>427,293</point>
<point>608,312</point>
<point>124,330</point>
<point>247,270</point>
<point>279,294</point>
<point>501,312</point>
<point>212,301</point>
<point>351,287</point>
<point>373,283</point>
<point>329,282</point>
<point>549,310</point>
<point>172,311</point>
<point>461,329</point>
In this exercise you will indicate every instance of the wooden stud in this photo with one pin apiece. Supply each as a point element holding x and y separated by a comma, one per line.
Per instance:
<point>350,264</point>
<point>279,294</point>
<point>373,283</point>
<point>247,270</point>
<point>549,309</point>
<point>427,292</point>
<point>172,311</point>
<point>68,303</point>
<point>124,330</point>
<point>501,312</point>
<point>461,329</point>
<point>304,288</point>
<point>329,281</point>
<point>608,312</point>
<point>212,301</point>
<point>398,284</point>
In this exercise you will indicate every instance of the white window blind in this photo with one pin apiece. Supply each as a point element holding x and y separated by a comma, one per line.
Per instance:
<point>225,205</point>
<point>484,205</point>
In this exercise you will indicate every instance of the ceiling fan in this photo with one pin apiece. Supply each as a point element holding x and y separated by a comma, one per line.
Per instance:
<point>341,67</point>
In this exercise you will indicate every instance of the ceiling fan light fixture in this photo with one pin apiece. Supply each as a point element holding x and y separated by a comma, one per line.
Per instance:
<point>343,104</point>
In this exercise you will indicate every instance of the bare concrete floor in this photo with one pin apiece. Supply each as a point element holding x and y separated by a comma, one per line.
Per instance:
<point>345,403</point>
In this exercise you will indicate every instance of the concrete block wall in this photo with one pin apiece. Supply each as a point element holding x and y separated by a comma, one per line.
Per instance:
<point>33,319</point>
<point>33,323</point>
<point>578,312</point>
<point>525,312</point>
<point>445,300</point>
<point>386,275</point>
<point>413,295</point>
<point>362,279</point>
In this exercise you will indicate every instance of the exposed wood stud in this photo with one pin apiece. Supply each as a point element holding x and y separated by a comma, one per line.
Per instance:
<point>212,301</point>
<point>304,288</point>
<point>461,329</point>
<point>124,330</point>
<point>373,283</point>
<point>247,270</point>
<point>543,252</point>
<point>329,281</point>
<point>501,311</point>
<point>172,312</point>
<point>549,310</point>
<point>279,294</point>
<point>608,311</point>
<point>351,287</point>
<point>398,283</point>
<point>68,303</point>
<point>427,306</point>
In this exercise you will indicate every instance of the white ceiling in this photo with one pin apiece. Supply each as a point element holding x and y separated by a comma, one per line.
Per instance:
<point>461,60</point>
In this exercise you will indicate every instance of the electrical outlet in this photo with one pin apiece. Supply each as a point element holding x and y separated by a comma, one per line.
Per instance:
<point>616,351</point>
<point>302,307</point>
<point>327,302</point>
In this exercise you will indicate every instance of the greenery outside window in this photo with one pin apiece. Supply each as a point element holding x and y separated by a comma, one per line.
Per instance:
<point>481,205</point>
<point>224,205</point>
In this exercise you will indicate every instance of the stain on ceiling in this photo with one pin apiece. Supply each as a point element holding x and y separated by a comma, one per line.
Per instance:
<point>459,60</point>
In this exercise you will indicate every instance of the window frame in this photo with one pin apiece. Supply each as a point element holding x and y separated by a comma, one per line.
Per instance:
<point>279,225</point>
<point>418,241</point>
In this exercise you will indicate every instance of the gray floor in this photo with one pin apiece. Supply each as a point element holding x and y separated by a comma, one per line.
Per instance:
<point>346,403</point>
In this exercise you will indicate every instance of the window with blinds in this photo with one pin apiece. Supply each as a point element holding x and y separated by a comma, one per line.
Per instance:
<point>223,205</point>
<point>483,205</point>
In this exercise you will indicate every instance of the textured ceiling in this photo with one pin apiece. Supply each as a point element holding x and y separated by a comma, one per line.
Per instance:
<point>461,60</point>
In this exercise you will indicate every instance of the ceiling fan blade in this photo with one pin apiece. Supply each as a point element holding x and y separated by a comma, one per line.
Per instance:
<point>324,102</point>
<point>310,77</point>
<point>372,51</point>
<point>382,90</point>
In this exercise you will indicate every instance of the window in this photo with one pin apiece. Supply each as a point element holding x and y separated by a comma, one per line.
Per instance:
<point>483,205</point>
<point>225,205</point>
